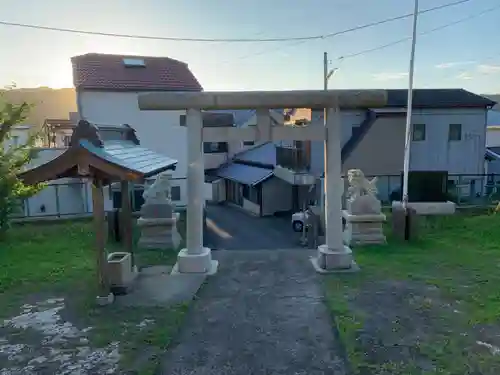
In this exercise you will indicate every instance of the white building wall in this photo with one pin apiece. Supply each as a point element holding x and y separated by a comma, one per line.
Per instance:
<point>456,157</point>
<point>18,136</point>
<point>436,152</point>
<point>157,130</point>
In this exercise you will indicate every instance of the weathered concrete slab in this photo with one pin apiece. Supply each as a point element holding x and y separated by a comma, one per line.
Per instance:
<point>262,313</point>
<point>155,286</point>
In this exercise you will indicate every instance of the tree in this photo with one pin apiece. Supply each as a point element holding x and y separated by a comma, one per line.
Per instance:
<point>13,158</point>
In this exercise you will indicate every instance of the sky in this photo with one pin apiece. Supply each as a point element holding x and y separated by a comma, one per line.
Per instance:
<point>463,55</point>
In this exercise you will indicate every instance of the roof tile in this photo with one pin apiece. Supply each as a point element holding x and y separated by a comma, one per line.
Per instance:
<point>96,71</point>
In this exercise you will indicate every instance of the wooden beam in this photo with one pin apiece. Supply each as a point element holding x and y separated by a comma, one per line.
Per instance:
<point>316,99</point>
<point>99,222</point>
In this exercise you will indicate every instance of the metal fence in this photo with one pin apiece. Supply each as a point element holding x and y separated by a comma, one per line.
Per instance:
<point>73,199</point>
<point>463,189</point>
<point>57,200</point>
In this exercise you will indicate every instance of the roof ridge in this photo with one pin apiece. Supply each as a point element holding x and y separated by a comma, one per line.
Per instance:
<point>128,56</point>
<point>250,148</point>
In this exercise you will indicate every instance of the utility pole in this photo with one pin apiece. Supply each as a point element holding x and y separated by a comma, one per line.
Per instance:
<point>327,74</point>
<point>409,105</point>
<point>325,71</point>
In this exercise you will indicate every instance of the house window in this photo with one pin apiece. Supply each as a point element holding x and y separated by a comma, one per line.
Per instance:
<point>15,140</point>
<point>214,147</point>
<point>67,140</point>
<point>175,193</point>
<point>418,132</point>
<point>455,132</point>
<point>248,143</point>
<point>131,62</point>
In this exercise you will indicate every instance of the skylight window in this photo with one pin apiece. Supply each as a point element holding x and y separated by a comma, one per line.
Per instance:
<point>130,62</point>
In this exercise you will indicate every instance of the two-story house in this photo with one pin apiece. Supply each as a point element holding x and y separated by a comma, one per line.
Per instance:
<point>107,87</point>
<point>448,133</point>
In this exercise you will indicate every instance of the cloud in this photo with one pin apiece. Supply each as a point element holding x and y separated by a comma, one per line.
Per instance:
<point>488,69</point>
<point>465,76</point>
<point>453,64</point>
<point>389,76</point>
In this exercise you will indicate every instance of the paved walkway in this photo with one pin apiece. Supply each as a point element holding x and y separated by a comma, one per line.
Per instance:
<point>263,313</point>
<point>229,228</point>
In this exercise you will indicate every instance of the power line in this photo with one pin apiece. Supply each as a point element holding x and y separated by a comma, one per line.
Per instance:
<point>399,41</point>
<point>230,40</point>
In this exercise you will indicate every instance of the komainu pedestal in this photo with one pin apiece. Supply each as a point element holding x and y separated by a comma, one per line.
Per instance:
<point>158,221</point>
<point>363,216</point>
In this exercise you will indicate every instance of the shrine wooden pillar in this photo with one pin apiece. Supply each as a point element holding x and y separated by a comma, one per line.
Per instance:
<point>100,237</point>
<point>126,217</point>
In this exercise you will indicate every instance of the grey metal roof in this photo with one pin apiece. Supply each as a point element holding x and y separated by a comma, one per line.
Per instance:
<point>244,174</point>
<point>128,155</point>
<point>493,152</point>
<point>437,98</point>
<point>262,154</point>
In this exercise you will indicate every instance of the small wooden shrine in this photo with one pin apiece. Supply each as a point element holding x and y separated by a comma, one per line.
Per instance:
<point>103,162</point>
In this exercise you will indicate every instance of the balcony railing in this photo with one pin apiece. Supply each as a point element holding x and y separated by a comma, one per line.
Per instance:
<point>295,159</point>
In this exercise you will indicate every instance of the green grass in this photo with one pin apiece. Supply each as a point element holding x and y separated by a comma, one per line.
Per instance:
<point>46,254</point>
<point>59,259</point>
<point>459,257</point>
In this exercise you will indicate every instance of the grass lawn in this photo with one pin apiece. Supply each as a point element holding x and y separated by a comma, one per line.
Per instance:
<point>50,321</point>
<point>429,307</point>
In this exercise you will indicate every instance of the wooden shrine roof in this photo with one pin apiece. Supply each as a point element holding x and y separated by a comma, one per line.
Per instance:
<point>90,156</point>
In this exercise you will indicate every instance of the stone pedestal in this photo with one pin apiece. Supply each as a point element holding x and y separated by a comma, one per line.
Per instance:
<point>334,260</point>
<point>159,233</point>
<point>158,221</point>
<point>363,229</point>
<point>404,223</point>
<point>364,221</point>
<point>201,263</point>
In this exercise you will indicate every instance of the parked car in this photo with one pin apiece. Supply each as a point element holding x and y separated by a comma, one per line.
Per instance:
<point>299,218</point>
<point>298,221</point>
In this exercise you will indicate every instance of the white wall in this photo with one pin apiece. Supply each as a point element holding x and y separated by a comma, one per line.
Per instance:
<point>457,157</point>
<point>157,130</point>
<point>435,153</point>
<point>19,136</point>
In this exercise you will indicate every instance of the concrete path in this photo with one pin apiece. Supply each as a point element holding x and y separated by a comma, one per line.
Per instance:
<point>263,313</point>
<point>231,229</point>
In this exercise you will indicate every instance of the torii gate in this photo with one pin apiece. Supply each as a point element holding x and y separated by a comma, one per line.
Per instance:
<point>333,255</point>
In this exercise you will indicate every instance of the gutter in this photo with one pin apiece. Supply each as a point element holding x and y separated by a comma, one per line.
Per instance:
<point>79,107</point>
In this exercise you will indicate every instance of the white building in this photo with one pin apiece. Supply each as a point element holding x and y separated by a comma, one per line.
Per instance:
<point>107,87</point>
<point>19,135</point>
<point>56,133</point>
